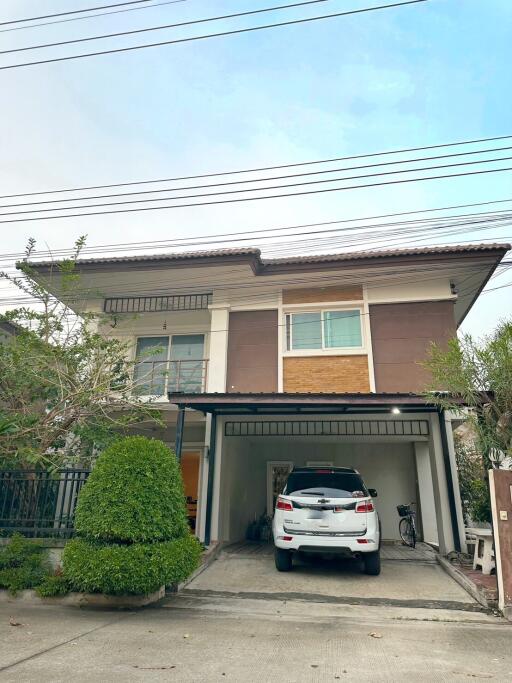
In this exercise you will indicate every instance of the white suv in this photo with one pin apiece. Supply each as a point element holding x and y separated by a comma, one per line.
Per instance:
<point>326,510</point>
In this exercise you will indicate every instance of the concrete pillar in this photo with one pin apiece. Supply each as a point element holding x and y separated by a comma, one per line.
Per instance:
<point>441,494</point>
<point>218,358</point>
<point>426,493</point>
<point>455,478</point>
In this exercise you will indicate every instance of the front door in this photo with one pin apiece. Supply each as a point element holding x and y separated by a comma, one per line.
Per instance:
<point>277,474</point>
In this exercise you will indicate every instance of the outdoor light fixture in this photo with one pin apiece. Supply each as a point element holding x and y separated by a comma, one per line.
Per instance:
<point>396,410</point>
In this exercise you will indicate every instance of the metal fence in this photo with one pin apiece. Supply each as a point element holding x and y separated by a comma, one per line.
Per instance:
<point>38,503</point>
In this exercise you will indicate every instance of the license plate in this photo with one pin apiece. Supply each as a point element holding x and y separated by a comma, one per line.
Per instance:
<point>316,514</point>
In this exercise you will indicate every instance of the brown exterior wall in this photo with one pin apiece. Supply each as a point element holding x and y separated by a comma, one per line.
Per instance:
<point>336,374</point>
<point>401,336</point>
<point>501,489</point>
<point>252,351</point>
<point>314,295</point>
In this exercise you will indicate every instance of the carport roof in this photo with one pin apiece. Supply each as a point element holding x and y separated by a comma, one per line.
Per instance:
<point>276,403</point>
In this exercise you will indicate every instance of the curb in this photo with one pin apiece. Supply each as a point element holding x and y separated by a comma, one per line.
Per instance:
<point>464,582</point>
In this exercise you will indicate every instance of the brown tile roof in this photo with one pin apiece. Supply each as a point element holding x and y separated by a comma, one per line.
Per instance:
<point>387,253</point>
<point>254,254</point>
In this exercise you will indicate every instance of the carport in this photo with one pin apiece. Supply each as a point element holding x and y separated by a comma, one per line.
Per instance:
<point>399,442</point>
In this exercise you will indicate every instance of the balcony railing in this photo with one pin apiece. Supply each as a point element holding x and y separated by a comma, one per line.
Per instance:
<point>156,378</point>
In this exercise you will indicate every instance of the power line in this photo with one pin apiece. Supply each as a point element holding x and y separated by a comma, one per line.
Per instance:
<point>163,27</point>
<point>256,189</point>
<point>214,35</point>
<point>248,199</point>
<point>261,168</point>
<point>92,16</point>
<point>256,180</point>
<point>76,11</point>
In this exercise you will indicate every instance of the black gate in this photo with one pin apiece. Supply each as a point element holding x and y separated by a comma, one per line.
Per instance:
<point>38,503</point>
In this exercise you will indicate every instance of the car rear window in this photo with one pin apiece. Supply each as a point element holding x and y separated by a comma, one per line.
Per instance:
<point>325,484</point>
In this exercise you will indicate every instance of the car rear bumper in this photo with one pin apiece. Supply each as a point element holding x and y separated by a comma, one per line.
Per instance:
<point>349,545</point>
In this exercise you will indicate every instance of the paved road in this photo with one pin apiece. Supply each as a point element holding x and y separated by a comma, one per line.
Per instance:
<point>240,620</point>
<point>201,637</point>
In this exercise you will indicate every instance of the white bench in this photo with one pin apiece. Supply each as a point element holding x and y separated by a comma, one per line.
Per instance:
<point>484,554</point>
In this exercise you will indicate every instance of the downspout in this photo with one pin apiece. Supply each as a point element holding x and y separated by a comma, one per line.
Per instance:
<point>449,479</point>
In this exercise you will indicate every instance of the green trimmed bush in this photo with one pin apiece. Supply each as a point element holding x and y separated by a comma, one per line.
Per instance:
<point>23,564</point>
<point>129,569</point>
<point>131,522</point>
<point>53,585</point>
<point>134,493</point>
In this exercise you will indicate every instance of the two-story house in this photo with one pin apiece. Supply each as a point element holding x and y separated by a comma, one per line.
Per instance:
<point>263,364</point>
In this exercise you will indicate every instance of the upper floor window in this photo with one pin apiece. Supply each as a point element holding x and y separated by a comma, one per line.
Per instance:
<point>173,363</point>
<point>324,329</point>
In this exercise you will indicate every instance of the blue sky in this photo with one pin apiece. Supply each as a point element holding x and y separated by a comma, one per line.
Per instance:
<point>424,74</point>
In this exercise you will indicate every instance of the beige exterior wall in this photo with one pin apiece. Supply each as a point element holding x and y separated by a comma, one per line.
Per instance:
<point>326,374</point>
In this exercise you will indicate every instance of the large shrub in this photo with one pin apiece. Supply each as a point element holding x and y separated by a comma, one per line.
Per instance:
<point>134,493</point>
<point>131,523</point>
<point>136,568</point>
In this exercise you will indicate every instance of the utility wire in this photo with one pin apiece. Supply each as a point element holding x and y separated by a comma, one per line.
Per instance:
<point>92,16</point>
<point>258,180</point>
<point>214,35</point>
<point>248,199</point>
<point>76,11</point>
<point>261,168</point>
<point>252,189</point>
<point>258,234</point>
<point>163,27</point>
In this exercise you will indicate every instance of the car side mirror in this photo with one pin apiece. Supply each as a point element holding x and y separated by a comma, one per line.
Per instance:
<point>373,493</point>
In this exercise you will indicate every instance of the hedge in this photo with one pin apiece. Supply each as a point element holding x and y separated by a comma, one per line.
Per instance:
<point>134,494</point>
<point>137,568</point>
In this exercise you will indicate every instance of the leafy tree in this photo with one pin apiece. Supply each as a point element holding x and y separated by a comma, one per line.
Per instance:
<point>66,391</point>
<point>480,376</point>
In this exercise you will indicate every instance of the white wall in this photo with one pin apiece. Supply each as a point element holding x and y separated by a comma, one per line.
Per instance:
<point>389,468</point>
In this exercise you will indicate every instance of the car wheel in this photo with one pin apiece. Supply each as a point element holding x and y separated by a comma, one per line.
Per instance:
<point>283,560</point>
<point>372,563</point>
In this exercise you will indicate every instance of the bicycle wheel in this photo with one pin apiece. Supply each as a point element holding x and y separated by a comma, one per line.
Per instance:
<point>407,532</point>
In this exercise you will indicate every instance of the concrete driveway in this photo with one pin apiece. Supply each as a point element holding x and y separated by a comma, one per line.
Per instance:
<point>408,579</point>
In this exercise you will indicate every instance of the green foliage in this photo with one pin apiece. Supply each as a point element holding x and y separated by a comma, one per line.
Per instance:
<point>132,524</point>
<point>22,564</point>
<point>480,501</point>
<point>53,585</point>
<point>129,569</point>
<point>474,489</point>
<point>66,391</point>
<point>134,494</point>
<point>478,375</point>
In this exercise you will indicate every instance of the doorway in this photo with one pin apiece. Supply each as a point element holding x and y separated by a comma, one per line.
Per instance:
<point>190,461</point>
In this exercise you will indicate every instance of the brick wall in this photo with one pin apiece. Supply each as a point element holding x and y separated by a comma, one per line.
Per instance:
<point>313,295</point>
<point>336,374</point>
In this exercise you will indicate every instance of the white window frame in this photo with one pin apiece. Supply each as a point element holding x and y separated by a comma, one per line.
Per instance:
<point>169,345</point>
<point>323,351</point>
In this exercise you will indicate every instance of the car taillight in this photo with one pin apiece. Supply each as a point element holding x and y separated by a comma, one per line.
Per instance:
<point>365,506</point>
<point>283,504</point>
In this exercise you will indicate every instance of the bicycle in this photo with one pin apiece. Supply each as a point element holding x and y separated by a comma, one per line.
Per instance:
<point>407,526</point>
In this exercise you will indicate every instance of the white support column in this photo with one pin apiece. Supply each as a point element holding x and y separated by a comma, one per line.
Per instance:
<point>455,477</point>
<point>368,339</point>
<point>440,486</point>
<point>426,493</point>
<point>217,365</point>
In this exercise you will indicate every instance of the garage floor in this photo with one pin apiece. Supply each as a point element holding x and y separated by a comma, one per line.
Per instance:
<point>408,579</point>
